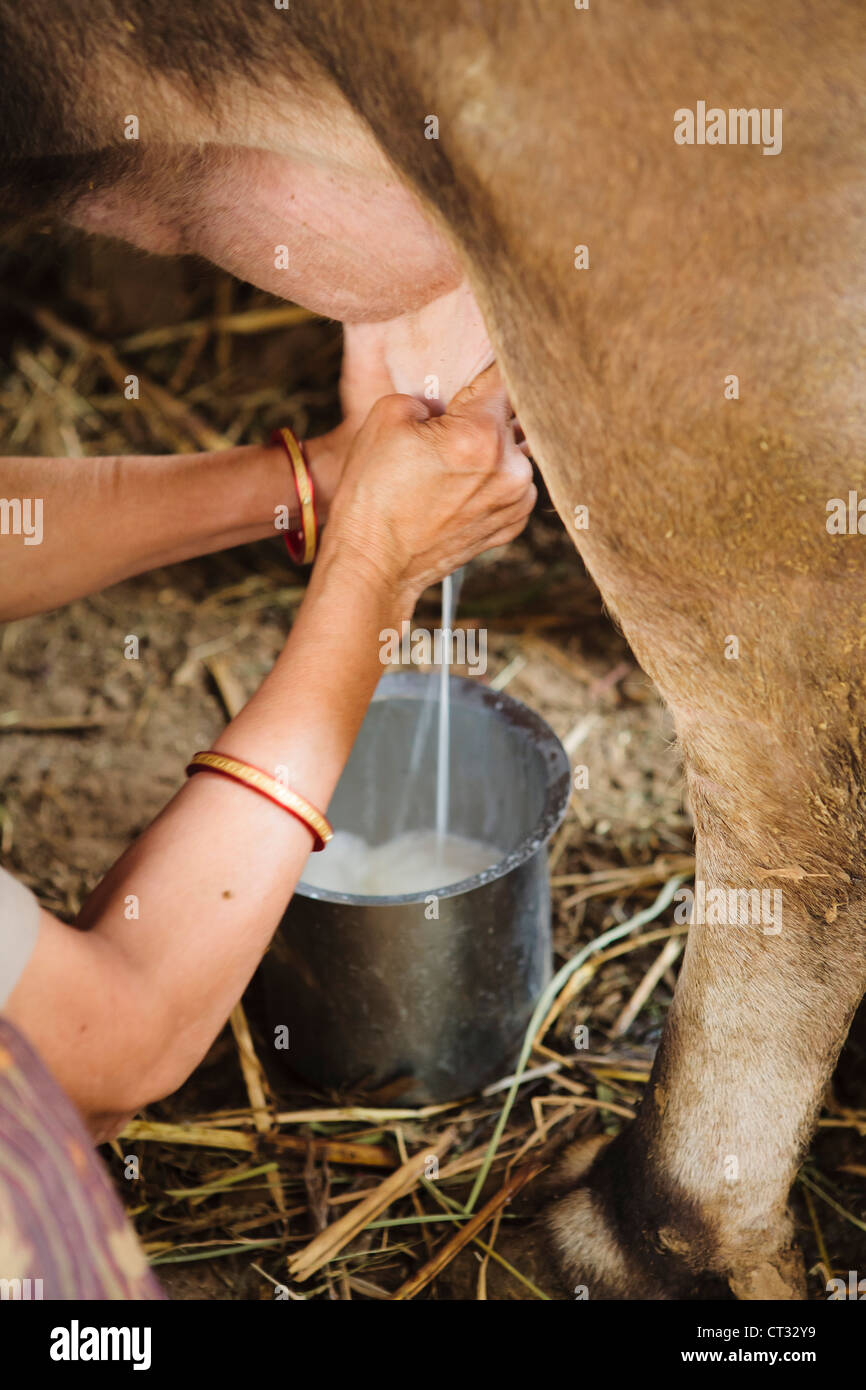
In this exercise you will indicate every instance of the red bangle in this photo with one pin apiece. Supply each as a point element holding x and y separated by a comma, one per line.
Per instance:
<point>301,542</point>
<point>253,777</point>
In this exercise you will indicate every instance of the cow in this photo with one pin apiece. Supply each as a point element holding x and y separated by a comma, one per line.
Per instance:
<point>651,214</point>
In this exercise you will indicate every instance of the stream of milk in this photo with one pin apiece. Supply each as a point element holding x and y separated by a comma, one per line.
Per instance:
<point>413,861</point>
<point>451,586</point>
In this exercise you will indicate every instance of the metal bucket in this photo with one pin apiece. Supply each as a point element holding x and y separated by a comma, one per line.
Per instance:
<point>426,995</point>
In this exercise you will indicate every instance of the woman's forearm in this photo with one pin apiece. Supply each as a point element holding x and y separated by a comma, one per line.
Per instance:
<point>212,875</point>
<point>101,520</point>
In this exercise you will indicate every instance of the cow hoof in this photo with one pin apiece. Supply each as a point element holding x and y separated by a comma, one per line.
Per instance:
<point>781,1278</point>
<point>601,1257</point>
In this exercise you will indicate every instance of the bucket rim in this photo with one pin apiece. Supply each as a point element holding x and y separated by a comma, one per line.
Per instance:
<point>468,692</point>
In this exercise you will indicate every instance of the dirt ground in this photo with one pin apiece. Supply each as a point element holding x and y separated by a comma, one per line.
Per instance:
<point>92,745</point>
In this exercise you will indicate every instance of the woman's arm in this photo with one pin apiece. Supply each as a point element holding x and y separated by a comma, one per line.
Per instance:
<point>122,1012</point>
<point>105,519</point>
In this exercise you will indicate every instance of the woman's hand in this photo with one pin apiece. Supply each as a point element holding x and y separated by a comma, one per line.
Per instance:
<point>421,495</point>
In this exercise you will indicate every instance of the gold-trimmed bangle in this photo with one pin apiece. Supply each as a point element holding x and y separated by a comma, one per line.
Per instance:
<point>301,543</point>
<point>261,782</point>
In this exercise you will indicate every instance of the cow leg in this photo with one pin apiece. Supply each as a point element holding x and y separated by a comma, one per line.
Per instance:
<point>697,1186</point>
<point>749,616</point>
<point>709,541</point>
